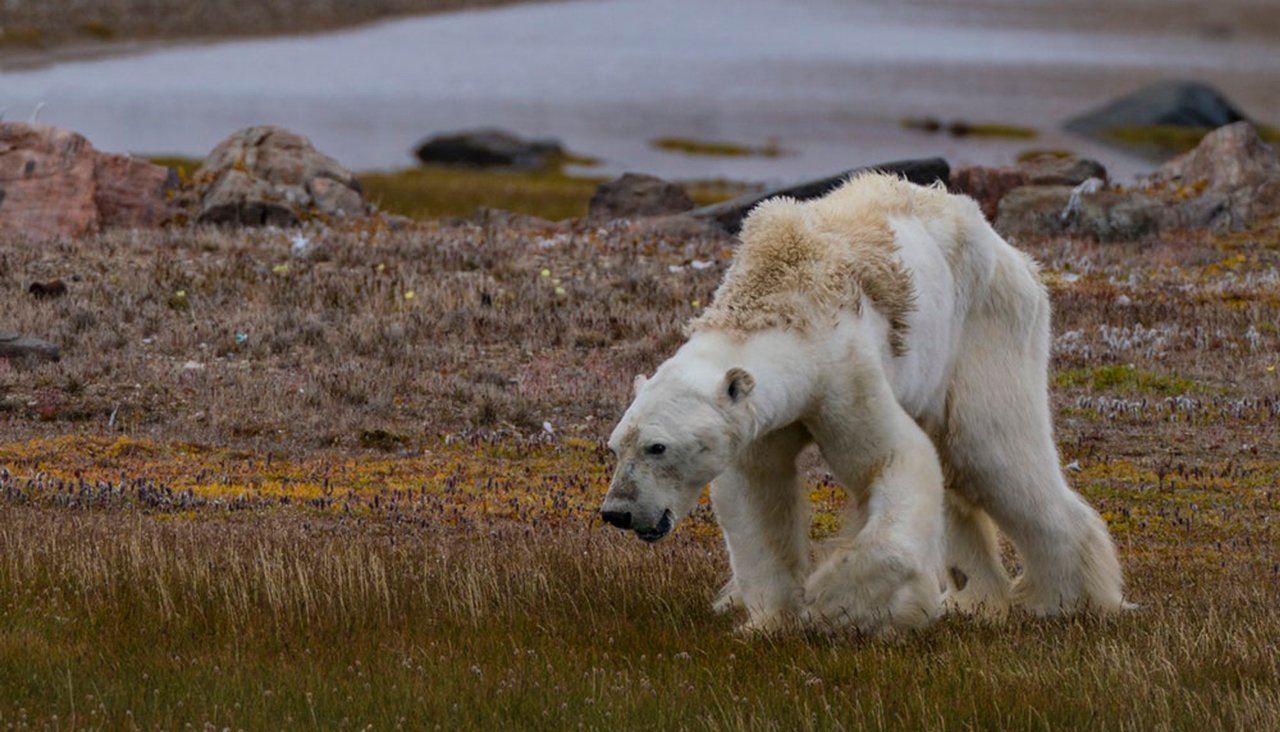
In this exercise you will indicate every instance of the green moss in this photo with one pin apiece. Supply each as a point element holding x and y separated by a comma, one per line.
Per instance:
<point>185,167</point>
<point>991,129</point>
<point>380,439</point>
<point>21,36</point>
<point>432,191</point>
<point>1126,380</point>
<point>1033,153</point>
<point>1172,138</point>
<point>436,191</point>
<point>715,148</point>
<point>98,29</point>
<point>962,128</point>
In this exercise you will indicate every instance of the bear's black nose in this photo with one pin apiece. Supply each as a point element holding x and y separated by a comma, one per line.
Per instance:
<point>621,519</point>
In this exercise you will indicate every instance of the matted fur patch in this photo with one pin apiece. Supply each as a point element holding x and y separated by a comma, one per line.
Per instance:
<point>801,264</point>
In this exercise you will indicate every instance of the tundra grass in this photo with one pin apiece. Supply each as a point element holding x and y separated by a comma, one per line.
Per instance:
<point>438,191</point>
<point>350,480</point>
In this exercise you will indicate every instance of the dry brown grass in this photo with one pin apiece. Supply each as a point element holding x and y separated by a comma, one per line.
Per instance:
<point>355,516</point>
<point>441,329</point>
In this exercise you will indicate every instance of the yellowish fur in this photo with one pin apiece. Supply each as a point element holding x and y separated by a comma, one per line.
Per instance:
<point>801,264</point>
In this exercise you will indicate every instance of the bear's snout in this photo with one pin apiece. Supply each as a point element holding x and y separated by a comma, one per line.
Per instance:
<point>621,519</point>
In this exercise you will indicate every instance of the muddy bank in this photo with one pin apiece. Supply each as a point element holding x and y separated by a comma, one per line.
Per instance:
<point>38,32</point>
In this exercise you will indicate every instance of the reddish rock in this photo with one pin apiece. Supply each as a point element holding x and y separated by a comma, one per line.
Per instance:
<point>54,183</point>
<point>987,186</point>
<point>46,290</point>
<point>46,182</point>
<point>133,193</point>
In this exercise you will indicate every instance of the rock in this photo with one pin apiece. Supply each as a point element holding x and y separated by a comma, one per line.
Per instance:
<point>635,195</point>
<point>729,214</point>
<point>1233,178</point>
<point>47,290</point>
<point>496,218</point>
<point>133,193</point>
<point>679,227</point>
<point>1227,159</point>
<point>488,148</point>
<point>336,197</point>
<point>23,349</point>
<point>237,198</point>
<point>54,183</point>
<point>1169,103</point>
<point>1053,170</point>
<point>987,185</point>
<point>271,176</point>
<point>1104,215</point>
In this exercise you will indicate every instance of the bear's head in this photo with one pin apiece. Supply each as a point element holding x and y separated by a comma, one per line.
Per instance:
<point>680,432</point>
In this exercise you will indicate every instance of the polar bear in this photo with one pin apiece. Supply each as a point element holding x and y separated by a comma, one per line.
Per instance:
<point>889,324</point>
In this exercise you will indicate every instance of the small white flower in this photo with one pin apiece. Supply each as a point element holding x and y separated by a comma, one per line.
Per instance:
<point>546,427</point>
<point>298,245</point>
<point>701,264</point>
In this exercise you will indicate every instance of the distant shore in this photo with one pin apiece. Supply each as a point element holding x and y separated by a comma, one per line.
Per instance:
<point>34,33</point>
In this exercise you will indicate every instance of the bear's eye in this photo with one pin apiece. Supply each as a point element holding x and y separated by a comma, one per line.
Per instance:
<point>656,448</point>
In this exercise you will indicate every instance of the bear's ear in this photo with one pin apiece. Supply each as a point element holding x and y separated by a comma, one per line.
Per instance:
<point>638,384</point>
<point>738,384</point>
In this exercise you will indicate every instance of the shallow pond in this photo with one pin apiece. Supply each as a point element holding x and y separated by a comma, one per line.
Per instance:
<point>828,80</point>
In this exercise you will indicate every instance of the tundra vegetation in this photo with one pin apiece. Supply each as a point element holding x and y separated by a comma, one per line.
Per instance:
<point>347,477</point>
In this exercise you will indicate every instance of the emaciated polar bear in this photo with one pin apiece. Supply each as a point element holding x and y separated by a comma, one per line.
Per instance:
<point>888,323</point>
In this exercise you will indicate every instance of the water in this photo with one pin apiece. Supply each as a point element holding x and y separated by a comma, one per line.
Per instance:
<point>829,80</point>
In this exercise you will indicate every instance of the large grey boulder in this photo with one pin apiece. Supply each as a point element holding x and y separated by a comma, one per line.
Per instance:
<point>488,147</point>
<point>634,195</point>
<point>270,176</point>
<point>729,214</point>
<point>1172,103</point>
<point>1191,105</point>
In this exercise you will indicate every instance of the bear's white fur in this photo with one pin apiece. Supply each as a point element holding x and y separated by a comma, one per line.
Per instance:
<point>888,323</point>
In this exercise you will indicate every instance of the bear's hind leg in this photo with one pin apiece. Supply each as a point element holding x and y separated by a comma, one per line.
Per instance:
<point>976,580</point>
<point>765,519</point>
<point>998,438</point>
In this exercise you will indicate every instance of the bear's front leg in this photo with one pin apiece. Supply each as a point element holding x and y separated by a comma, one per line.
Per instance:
<point>884,572</point>
<point>765,520</point>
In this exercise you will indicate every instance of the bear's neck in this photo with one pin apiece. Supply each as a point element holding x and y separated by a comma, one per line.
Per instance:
<point>784,375</point>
